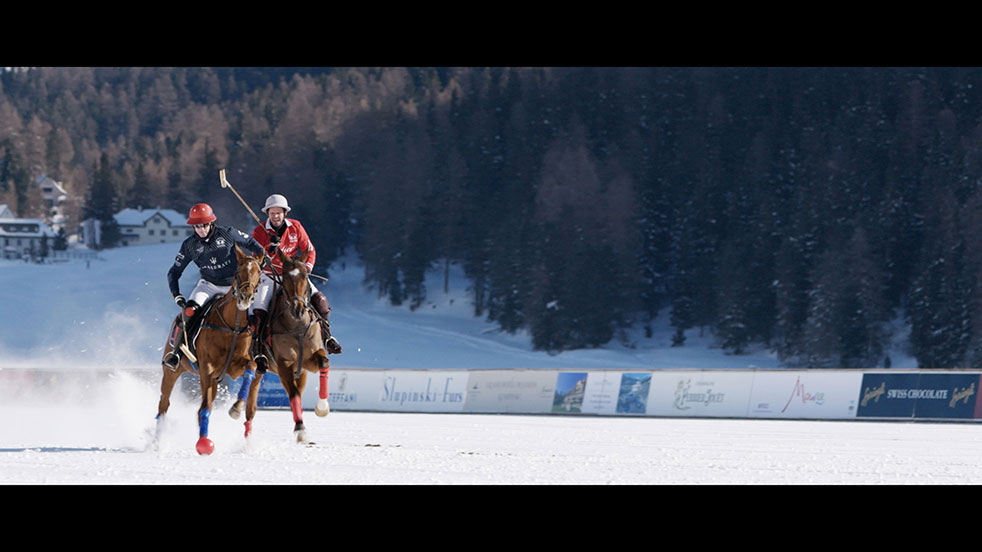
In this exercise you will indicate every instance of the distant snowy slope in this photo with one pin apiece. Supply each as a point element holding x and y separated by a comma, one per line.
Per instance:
<point>115,313</point>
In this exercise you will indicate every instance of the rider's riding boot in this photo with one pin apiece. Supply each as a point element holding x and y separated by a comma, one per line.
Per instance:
<point>172,358</point>
<point>256,327</point>
<point>319,302</point>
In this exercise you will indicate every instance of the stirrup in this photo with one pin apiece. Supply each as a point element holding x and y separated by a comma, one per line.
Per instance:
<point>172,361</point>
<point>261,361</point>
<point>336,343</point>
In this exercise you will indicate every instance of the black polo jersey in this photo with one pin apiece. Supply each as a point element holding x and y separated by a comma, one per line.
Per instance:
<point>214,254</point>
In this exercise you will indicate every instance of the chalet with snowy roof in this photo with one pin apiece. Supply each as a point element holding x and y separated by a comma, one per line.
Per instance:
<point>54,196</point>
<point>141,227</point>
<point>22,237</point>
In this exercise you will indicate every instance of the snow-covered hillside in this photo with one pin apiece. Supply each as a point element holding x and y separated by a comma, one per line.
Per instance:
<point>115,312</point>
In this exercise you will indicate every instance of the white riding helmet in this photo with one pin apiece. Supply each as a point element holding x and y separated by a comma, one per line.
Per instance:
<point>276,200</point>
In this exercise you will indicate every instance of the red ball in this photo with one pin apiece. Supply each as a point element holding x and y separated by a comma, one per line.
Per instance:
<point>205,446</point>
<point>189,312</point>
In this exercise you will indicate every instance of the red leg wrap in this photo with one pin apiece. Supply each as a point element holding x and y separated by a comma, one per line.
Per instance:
<point>297,409</point>
<point>322,392</point>
<point>248,428</point>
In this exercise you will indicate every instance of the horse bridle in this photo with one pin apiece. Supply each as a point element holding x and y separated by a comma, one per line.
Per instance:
<point>301,329</point>
<point>238,293</point>
<point>235,329</point>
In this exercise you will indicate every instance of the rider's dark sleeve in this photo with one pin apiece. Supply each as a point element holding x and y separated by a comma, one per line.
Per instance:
<point>247,242</point>
<point>174,274</point>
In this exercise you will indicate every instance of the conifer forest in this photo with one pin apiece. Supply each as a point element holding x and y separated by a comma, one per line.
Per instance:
<point>803,209</point>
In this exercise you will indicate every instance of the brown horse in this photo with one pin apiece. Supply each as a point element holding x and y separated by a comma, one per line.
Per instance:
<point>223,346</point>
<point>297,346</point>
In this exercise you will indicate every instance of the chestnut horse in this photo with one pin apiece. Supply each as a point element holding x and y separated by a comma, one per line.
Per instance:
<point>222,346</point>
<point>297,347</point>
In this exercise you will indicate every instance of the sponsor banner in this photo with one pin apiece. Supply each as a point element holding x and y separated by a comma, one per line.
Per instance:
<point>524,391</point>
<point>700,393</point>
<point>346,389</point>
<point>271,393</point>
<point>602,393</point>
<point>632,395</point>
<point>810,394</point>
<point>570,392</point>
<point>422,391</point>
<point>945,395</point>
<point>390,390</point>
<point>885,395</point>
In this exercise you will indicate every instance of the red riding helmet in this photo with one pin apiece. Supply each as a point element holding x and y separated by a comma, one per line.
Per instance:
<point>201,214</point>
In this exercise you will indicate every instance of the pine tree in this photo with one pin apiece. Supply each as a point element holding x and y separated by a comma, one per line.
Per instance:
<point>102,203</point>
<point>139,195</point>
<point>206,184</point>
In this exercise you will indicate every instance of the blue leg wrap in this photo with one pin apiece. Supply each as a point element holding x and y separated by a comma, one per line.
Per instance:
<point>247,378</point>
<point>203,418</point>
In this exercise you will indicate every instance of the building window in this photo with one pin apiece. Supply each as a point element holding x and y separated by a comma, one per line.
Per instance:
<point>175,232</point>
<point>151,232</point>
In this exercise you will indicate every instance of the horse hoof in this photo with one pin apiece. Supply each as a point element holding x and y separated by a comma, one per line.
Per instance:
<point>205,446</point>
<point>301,435</point>
<point>236,409</point>
<point>322,409</point>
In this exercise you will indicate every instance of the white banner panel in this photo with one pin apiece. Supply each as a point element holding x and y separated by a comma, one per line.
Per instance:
<point>700,393</point>
<point>347,389</point>
<point>816,394</point>
<point>423,391</point>
<point>602,390</point>
<point>526,391</point>
<point>392,390</point>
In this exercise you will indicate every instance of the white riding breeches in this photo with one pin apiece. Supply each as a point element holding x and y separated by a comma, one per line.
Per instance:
<point>205,290</point>
<point>264,293</point>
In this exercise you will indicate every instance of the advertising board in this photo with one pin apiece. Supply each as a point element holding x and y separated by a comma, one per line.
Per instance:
<point>391,390</point>
<point>700,393</point>
<point>510,391</point>
<point>884,395</point>
<point>807,394</point>
<point>602,392</point>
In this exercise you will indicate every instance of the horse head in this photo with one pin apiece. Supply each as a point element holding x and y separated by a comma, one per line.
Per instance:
<point>295,282</point>
<point>246,278</point>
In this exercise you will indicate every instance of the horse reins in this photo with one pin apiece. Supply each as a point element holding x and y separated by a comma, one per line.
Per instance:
<point>237,294</point>
<point>300,331</point>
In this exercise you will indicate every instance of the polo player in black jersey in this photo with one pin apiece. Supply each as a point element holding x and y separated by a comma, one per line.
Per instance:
<point>212,248</point>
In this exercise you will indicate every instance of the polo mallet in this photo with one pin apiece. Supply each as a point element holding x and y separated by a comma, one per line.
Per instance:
<point>225,184</point>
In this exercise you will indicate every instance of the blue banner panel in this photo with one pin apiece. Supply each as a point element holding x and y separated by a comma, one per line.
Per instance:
<point>271,392</point>
<point>945,395</point>
<point>886,396</point>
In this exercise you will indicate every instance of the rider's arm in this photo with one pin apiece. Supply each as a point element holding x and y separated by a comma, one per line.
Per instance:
<point>246,242</point>
<point>180,263</point>
<point>304,244</point>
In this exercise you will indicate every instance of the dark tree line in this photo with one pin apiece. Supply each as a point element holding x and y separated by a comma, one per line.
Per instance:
<point>801,208</point>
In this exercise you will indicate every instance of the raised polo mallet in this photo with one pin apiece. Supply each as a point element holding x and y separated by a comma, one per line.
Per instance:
<point>225,184</point>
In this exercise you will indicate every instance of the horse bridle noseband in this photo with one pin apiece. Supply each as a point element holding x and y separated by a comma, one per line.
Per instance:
<point>235,329</point>
<point>300,330</point>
